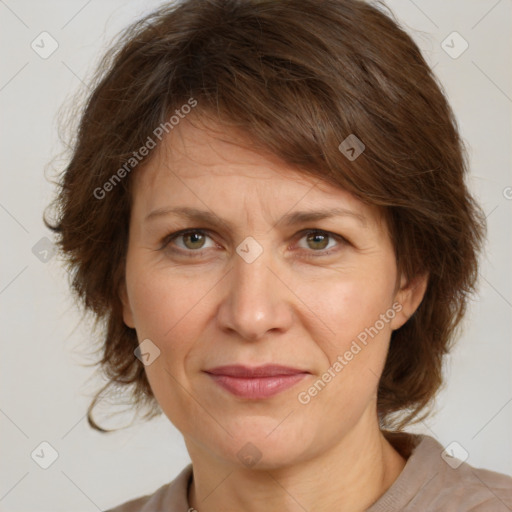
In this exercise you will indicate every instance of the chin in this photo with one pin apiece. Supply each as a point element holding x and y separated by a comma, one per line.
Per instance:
<point>264,443</point>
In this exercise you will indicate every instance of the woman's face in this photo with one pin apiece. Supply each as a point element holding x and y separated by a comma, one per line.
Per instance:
<point>253,284</point>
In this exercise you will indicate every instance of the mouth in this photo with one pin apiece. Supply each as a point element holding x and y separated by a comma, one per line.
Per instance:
<point>258,382</point>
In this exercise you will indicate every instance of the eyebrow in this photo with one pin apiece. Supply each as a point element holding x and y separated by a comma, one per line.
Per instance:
<point>290,219</point>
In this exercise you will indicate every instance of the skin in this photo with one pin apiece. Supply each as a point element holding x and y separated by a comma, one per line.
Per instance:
<point>282,308</point>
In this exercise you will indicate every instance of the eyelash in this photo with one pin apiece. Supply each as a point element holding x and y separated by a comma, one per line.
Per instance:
<point>193,254</point>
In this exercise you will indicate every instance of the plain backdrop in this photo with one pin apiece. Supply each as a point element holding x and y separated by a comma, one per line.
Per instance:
<point>45,385</point>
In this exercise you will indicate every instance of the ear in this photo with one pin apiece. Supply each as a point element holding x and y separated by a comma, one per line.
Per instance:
<point>127,310</point>
<point>409,295</point>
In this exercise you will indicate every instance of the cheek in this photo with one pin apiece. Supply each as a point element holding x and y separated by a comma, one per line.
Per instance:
<point>163,303</point>
<point>351,327</point>
<point>344,306</point>
<point>169,310</point>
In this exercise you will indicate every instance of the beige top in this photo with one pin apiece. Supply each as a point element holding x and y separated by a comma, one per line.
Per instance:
<point>427,483</point>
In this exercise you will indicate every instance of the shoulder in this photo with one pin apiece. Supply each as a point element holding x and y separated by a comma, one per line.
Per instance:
<point>435,480</point>
<point>473,489</point>
<point>169,497</point>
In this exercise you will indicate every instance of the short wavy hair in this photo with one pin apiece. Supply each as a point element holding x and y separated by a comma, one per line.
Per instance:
<point>298,77</point>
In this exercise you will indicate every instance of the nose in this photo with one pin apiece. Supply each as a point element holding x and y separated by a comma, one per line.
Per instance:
<point>256,300</point>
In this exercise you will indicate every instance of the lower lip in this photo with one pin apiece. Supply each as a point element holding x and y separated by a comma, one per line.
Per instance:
<point>258,387</point>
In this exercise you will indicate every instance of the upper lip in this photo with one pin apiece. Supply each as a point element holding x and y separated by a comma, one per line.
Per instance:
<point>241,371</point>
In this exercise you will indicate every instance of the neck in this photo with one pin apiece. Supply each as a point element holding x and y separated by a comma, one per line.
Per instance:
<point>350,476</point>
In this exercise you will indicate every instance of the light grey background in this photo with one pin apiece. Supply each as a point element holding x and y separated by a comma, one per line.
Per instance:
<point>45,387</point>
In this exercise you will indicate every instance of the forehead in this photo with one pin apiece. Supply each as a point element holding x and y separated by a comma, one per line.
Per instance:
<point>211,164</point>
<point>200,149</point>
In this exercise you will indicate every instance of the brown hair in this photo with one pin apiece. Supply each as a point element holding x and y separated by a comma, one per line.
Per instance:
<point>297,76</point>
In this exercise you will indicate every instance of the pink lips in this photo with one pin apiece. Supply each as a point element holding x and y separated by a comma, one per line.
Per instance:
<point>256,382</point>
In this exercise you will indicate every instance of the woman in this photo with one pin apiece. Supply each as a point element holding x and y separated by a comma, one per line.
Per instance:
<point>266,206</point>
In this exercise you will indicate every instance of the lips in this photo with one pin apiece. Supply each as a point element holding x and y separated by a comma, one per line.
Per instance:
<point>256,382</point>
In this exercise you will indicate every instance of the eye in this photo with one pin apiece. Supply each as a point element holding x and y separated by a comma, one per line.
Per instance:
<point>192,242</point>
<point>318,241</point>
